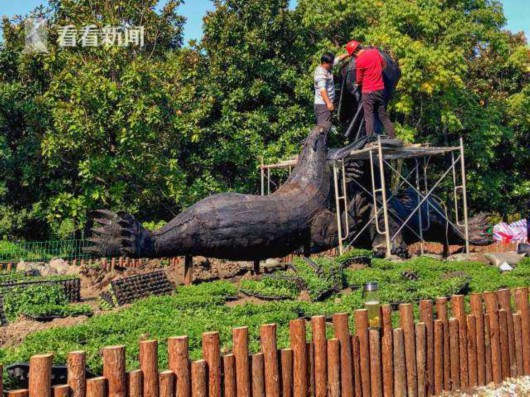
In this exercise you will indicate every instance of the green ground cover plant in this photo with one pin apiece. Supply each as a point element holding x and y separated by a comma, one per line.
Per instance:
<point>197,309</point>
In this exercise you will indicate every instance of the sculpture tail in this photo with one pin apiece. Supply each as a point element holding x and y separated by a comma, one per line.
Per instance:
<point>119,234</point>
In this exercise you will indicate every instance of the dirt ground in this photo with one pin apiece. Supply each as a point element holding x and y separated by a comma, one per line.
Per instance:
<point>94,281</point>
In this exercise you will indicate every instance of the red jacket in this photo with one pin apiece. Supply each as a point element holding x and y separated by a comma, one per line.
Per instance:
<point>370,65</point>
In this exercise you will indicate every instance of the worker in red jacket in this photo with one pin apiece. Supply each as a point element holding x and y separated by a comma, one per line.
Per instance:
<point>370,65</point>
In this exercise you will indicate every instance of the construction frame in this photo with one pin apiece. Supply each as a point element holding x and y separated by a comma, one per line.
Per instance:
<point>380,157</point>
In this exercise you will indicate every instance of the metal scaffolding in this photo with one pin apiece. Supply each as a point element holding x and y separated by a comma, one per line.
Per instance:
<point>380,157</point>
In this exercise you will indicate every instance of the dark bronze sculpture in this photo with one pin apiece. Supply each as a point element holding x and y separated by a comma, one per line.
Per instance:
<point>300,214</point>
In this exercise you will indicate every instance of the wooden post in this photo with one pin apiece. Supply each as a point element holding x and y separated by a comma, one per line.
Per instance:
<point>40,375</point>
<point>356,353</point>
<point>114,370</point>
<point>441,312</point>
<point>229,368</point>
<point>188,270</point>
<point>426,317</point>
<point>454,333</point>
<point>167,384</point>
<point>438,357</point>
<point>472,349</point>
<point>342,333</point>
<point>135,383</point>
<point>76,364</point>
<point>199,379</point>
<point>521,303</point>
<point>490,299</point>
<point>407,324</point>
<point>240,338</point>
<point>297,335</point>
<point>375,364</point>
<point>505,348</point>
<point>255,268</point>
<point>149,367</point>
<point>270,355</point>
<point>333,362</point>
<point>459,312</point>
<point>400,375</point>
<point>97,387</point>
<point>178,358</point>
<point>287,372</point>
<point>318,327</point>
<point>18,393</point>
<point>487,348</point>
<point>421,358</point>
<point>211,353</point>
<point>361,326</point>
<point>476,310</point>
<point>258,383</point>
<point>386,351</point>
<point>505,302</point>
<point>518,342</point>
<point>61,391</point>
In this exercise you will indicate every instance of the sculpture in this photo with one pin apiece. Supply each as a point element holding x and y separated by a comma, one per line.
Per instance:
<point>299,214</point>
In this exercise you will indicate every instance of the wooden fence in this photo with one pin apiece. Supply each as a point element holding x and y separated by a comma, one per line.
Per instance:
<point>440,352</point>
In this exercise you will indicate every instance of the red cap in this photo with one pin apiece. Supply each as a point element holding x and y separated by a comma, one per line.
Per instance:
<point>352,46</point>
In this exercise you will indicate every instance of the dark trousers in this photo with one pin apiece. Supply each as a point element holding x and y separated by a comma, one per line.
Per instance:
<point>374,102</point>
<point>322,114</point>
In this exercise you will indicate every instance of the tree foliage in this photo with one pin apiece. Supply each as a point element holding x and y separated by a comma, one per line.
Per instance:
<point>152,130</point>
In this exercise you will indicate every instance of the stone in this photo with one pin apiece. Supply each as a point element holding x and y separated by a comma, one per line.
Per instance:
<point>60,265</point>
<point>512,258</point>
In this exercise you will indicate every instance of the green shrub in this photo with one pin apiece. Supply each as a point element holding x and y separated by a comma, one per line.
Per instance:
<point>271,287</point>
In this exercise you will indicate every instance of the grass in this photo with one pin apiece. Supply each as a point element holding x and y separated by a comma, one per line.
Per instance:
<point>197,309</point>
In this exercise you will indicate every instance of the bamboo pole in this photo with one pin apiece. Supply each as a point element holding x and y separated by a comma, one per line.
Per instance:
<point>521,302</point>
<point>386,353</point>
<point>438,356</point>
<point>454,333</point>
<point>518,342</point>
<point>258,381</point>
<point>441,312</point>
<point>229,368</point>
<point>76,364</point>
<point>97,387</point>
<point>149,367</point>
<point>61,391</point>
<point>114,370</point>
<point>240,338</point>
<point>505,348</point>
<point>166,384</point>
<point>211,353</point>
<point>297,334</point>
<point>318,327</point>
<point>490,300</point>
<point>40,375</point>
<point>333,362</point>
<point>459,312</point>
<point>361,326</point>
<point>376,380</point>
<point>400,376</point>
<point>421,358</point>
<point>287,372</point>
<point>472,349</point>
<point>179,363</point>
<point>135,383</point>
<point>477,311</point>
<point>426,317</point>
<point>505,302</point>
<point>342,333</point>
<point>407,324</point>
<point>199,379</point>
<point>356,353</point>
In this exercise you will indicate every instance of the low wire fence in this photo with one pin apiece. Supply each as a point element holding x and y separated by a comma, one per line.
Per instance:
<point>446,350</point>
<point>42,251</point>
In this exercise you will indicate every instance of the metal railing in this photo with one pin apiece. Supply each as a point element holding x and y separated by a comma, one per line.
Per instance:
<point>40,251</point>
